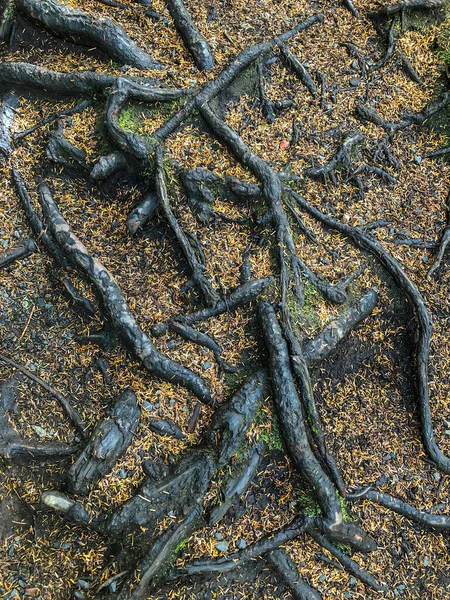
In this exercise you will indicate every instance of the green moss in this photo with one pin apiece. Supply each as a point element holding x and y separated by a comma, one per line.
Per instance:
<point>269,434</point>
<point>308,504</point>
<point>307,314</point>
<point>180,546</point>
<point>344,510</point>
<point>130,118</point>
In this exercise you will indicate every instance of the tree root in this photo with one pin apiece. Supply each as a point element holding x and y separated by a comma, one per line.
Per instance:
<point>65,506</point>
<point>327,340</point>
<point>351,7</point>
<point>80,83</point>
<point>194,41</point>
<point>282,563</point>
<point>71,412</point>
<point>411,5</point>
<point>203,283</point>
<point>438,522</point>
<point>443,244</point>
<point>24,249</point>
<point>78,108</point>
<point>36,450</point>
<point>82,28</point>
<point>245,293</point>
<point>108,442</point>
<point>6,19</point>
<point>9,104</point>
<point>293,63</point>
<point>341,158</point>
<point>62,152</point>
<point>143,212</point>
<point>166,427</point>
<point>345,560</point>
<point>115,305</point>
<point>107,166</point>
<point>296,439</point>
<point>364,242</point>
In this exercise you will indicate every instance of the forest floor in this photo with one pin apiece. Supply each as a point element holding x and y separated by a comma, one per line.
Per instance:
<point>365,390</point>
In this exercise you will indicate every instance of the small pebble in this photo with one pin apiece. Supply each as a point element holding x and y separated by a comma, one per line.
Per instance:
<point>352,581</point>
<point>222,546</point>
<point>218,536</point>
<point>206,365</point>
<point>355,81</point>
<point>418,160</point>
<point>241,544</point>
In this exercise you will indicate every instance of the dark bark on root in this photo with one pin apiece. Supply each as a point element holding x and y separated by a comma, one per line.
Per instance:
<point>71,412</point>
<point>438,522</point>
<point>143,212</point>
<point>62,152</point>
<point>286,568</point>
<point>351,7</point>
<point>36,450</point>
<point>194,41</point>
<point>82,28</point>
<point>82,106</point>
<point>223,80</point>
<point>245,293</point>
<point>6,19</point>
<point>293,63</point>
<point>165,427</point>
<point>24,249</point>
<point>35,222</point>
<point>80,83</point>
<point>107,166</point>
<point>412,5</point>
<point>115,305</point>
<point>203,283</point>
<point>290,266</point>
<point>82,303</point>
<point>237,485</point>
<point>341,158</point>
<point>296,438</point>
<point>327,340</point>
<point>108,442</point>
<point>9,104</point>
<point>364,242</point>
<point>265,544</point>
<point>345,560</point>
<point>443,244</point>
<point>202,339</point>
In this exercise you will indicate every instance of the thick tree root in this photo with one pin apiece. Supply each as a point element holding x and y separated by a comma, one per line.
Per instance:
<point>351,7</point>
<point>82,28</point>
<point>345,560</point>
<point>78,108</point>
<point>165,427</point>
<point>115,305</point>
<point>203,283</point>
<point>107,166</point>
<point>223,80</point>
<point>438,522</point>
<point>80,83</point>
<point>296,438</point>
<point>245,293</point>
<point>71,412</point>
<point>327,340</point>
<point>194,41</point>
<point>411,5</point>
<point>24,249</point>
<point>9,104</point>
<point>341,158</point>
<point>285,567</point>
<point>6,19</point>
<point>36,450</point>
<point>65,506</point>
<point>364,242</point>
<point>108,442</point>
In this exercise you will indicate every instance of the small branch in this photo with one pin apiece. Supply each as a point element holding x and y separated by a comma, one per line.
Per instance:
<point>24,249</point>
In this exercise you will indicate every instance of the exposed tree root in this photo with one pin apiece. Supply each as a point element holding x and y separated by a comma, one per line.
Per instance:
<point>115,305</point>
<point>443,244</point>
<point>293,63</point>
<point>108,442</point>
<point>438,522</point>
<point>62,152</point>
<point>341,158</point>
<point>198,269</point>
<point>363,241</point>
<point>107,166</point>
<point>9,104</point>
<point>87,30</point>
<point>194,41</point>
<point>285,567</point>
<point>412,5</point>
<point>36,450</point>
<point>143,212</point>
<point>24,249</point>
